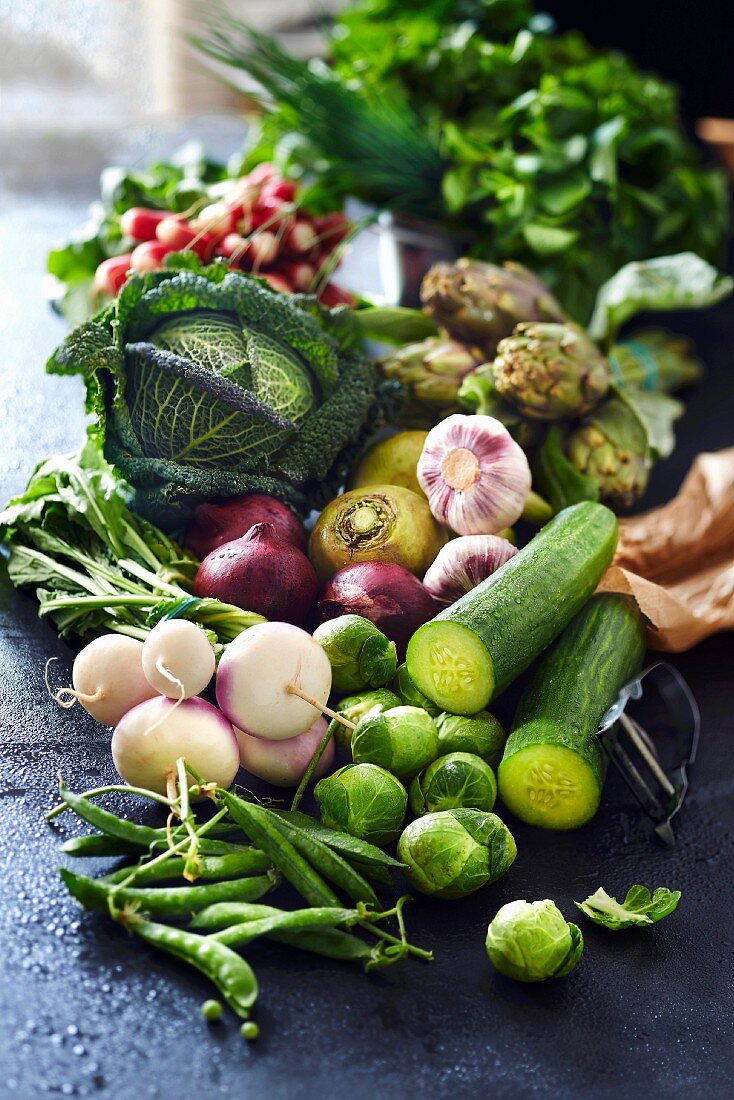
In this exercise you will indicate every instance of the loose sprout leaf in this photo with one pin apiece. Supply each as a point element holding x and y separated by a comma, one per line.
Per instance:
<point>574,954</point>
<point>638,909</point>
<point>683,281</point>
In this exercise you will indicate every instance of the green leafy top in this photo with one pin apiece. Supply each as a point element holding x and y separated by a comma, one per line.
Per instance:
<point>204,382</point>
<point>639,908</point>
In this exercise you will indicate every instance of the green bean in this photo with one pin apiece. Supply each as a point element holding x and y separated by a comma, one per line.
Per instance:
<point>351,847</point>
<point>245,861</point>
<point>229,972</point>
<point>97,844</point>
<point>173,901</point>
<point>141,836</point>
<point>256,823</point>
<point>298,920</point>
<point>223,913</point>
<point>327,862</point>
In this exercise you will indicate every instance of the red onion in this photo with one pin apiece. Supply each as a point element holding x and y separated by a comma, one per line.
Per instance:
<point>386,594</point>
<point>215,524</point>
<point>463,563</point>
<point>260,572</point>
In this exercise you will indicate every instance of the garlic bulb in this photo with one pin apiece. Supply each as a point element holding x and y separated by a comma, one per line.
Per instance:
<point>475,475</point>
<point>463,563</point>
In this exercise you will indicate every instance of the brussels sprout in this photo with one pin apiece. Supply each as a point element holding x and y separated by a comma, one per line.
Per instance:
<point>452,853</point>
<point>409,693</point>
<point>359,654</point>
<point>479,733</point>
<point>402,740</point>
<point>531,941</point>
<point>354,707</point>
<point>459,779</point>
<point>363,800</point>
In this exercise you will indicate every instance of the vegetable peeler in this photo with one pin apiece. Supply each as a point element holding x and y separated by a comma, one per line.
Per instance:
<point>650,734</point>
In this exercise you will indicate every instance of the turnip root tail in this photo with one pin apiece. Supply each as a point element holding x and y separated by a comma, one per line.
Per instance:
<point>66,697</point>
<point>293,689</point>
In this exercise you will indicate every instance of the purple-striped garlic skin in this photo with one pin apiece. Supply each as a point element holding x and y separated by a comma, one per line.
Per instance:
<point>464,563</point>
<point>475,475</point>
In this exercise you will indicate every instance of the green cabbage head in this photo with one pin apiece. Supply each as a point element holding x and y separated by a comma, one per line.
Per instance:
<point>206,383</point>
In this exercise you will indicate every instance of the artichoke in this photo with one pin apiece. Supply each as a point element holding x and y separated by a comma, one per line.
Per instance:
<point>655,360</point>
<point>432,372</point>
<point>481,303</point>
<point>612,447</point>
<point>550,371</point>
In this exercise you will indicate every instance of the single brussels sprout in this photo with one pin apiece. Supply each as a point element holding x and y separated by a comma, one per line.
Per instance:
<point>452,853</point>
<point>354,707</point>
<point>359,654</point>
<point>531,941</point>
<point>403,740</point>
<point>409,693</point>
<point>363,800</point>
<point>479,733</point>
<point>459,779</point>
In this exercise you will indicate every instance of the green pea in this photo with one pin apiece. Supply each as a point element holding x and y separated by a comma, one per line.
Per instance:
<point>249,1030</point>
<point>211,1011</point>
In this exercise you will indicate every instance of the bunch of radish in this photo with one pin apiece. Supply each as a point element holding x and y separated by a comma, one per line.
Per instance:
<point>254,223</point>
<point>271,688</point>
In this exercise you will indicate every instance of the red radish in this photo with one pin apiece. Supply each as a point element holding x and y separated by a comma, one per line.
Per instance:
<point>150,738</point>
<point>215,524</point>
<point>300,237</point>
<point>276,282</point>
<point>179,235</point>
<point>260,572</point>
<point>140,223</point>
<point>263,676</point>
<point>149,256</point>
<point>332,228</point>
<point>216,219</point>
<point>261,173</point>
<point>280,189</point>
<point>333,295</point>
<point>262,248</point>
<point>283,763</point>
<point>111,274</point>
<point>243,220</point>
<point>271,212</point>
<point>386,594</point>
<point>233,244</point>
<point>299,275</point>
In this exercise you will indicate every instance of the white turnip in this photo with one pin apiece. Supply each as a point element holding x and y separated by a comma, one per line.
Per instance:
<point>178,659</point>
<point>108,679</point>
<point>260,675</point>
<point>150,738</point>
<point>283,763</point>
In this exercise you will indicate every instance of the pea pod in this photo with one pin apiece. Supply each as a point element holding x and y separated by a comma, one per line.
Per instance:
<point>97,844</point>
<point>235,864</point>
<point>231,974</point>
<point>328,863</point>
<point>256,823</point>
<point>297,920</point>
<point>172,901</point>
<point>351,847</point>
<point>140,836</point>
<point>223,913</point>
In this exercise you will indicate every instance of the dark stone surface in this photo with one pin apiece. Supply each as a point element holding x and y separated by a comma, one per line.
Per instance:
<point>85,1010</point>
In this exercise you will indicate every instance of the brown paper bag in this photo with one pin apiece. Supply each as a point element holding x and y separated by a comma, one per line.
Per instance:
<point>678,561</point>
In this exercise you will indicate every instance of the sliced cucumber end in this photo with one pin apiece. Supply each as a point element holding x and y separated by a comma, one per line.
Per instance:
<point>550,786</point>
<point>452,666</point>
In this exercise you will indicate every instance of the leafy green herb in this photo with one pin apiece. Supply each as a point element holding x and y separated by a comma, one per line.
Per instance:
<point>684,281</point>
<point>96,566</point>
<point>639,908</point>
<point>206,383</point>
<point>533,144</point>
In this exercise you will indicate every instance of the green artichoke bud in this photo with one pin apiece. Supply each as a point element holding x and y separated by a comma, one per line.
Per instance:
<point>655,360</point>
<point>481,303</point>
<point>551,371</point>
<point>611,446</point>
<point>432,372</point>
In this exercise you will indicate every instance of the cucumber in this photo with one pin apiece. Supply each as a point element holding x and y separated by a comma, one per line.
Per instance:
<point>471,651</point>
<point>553,766</point>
